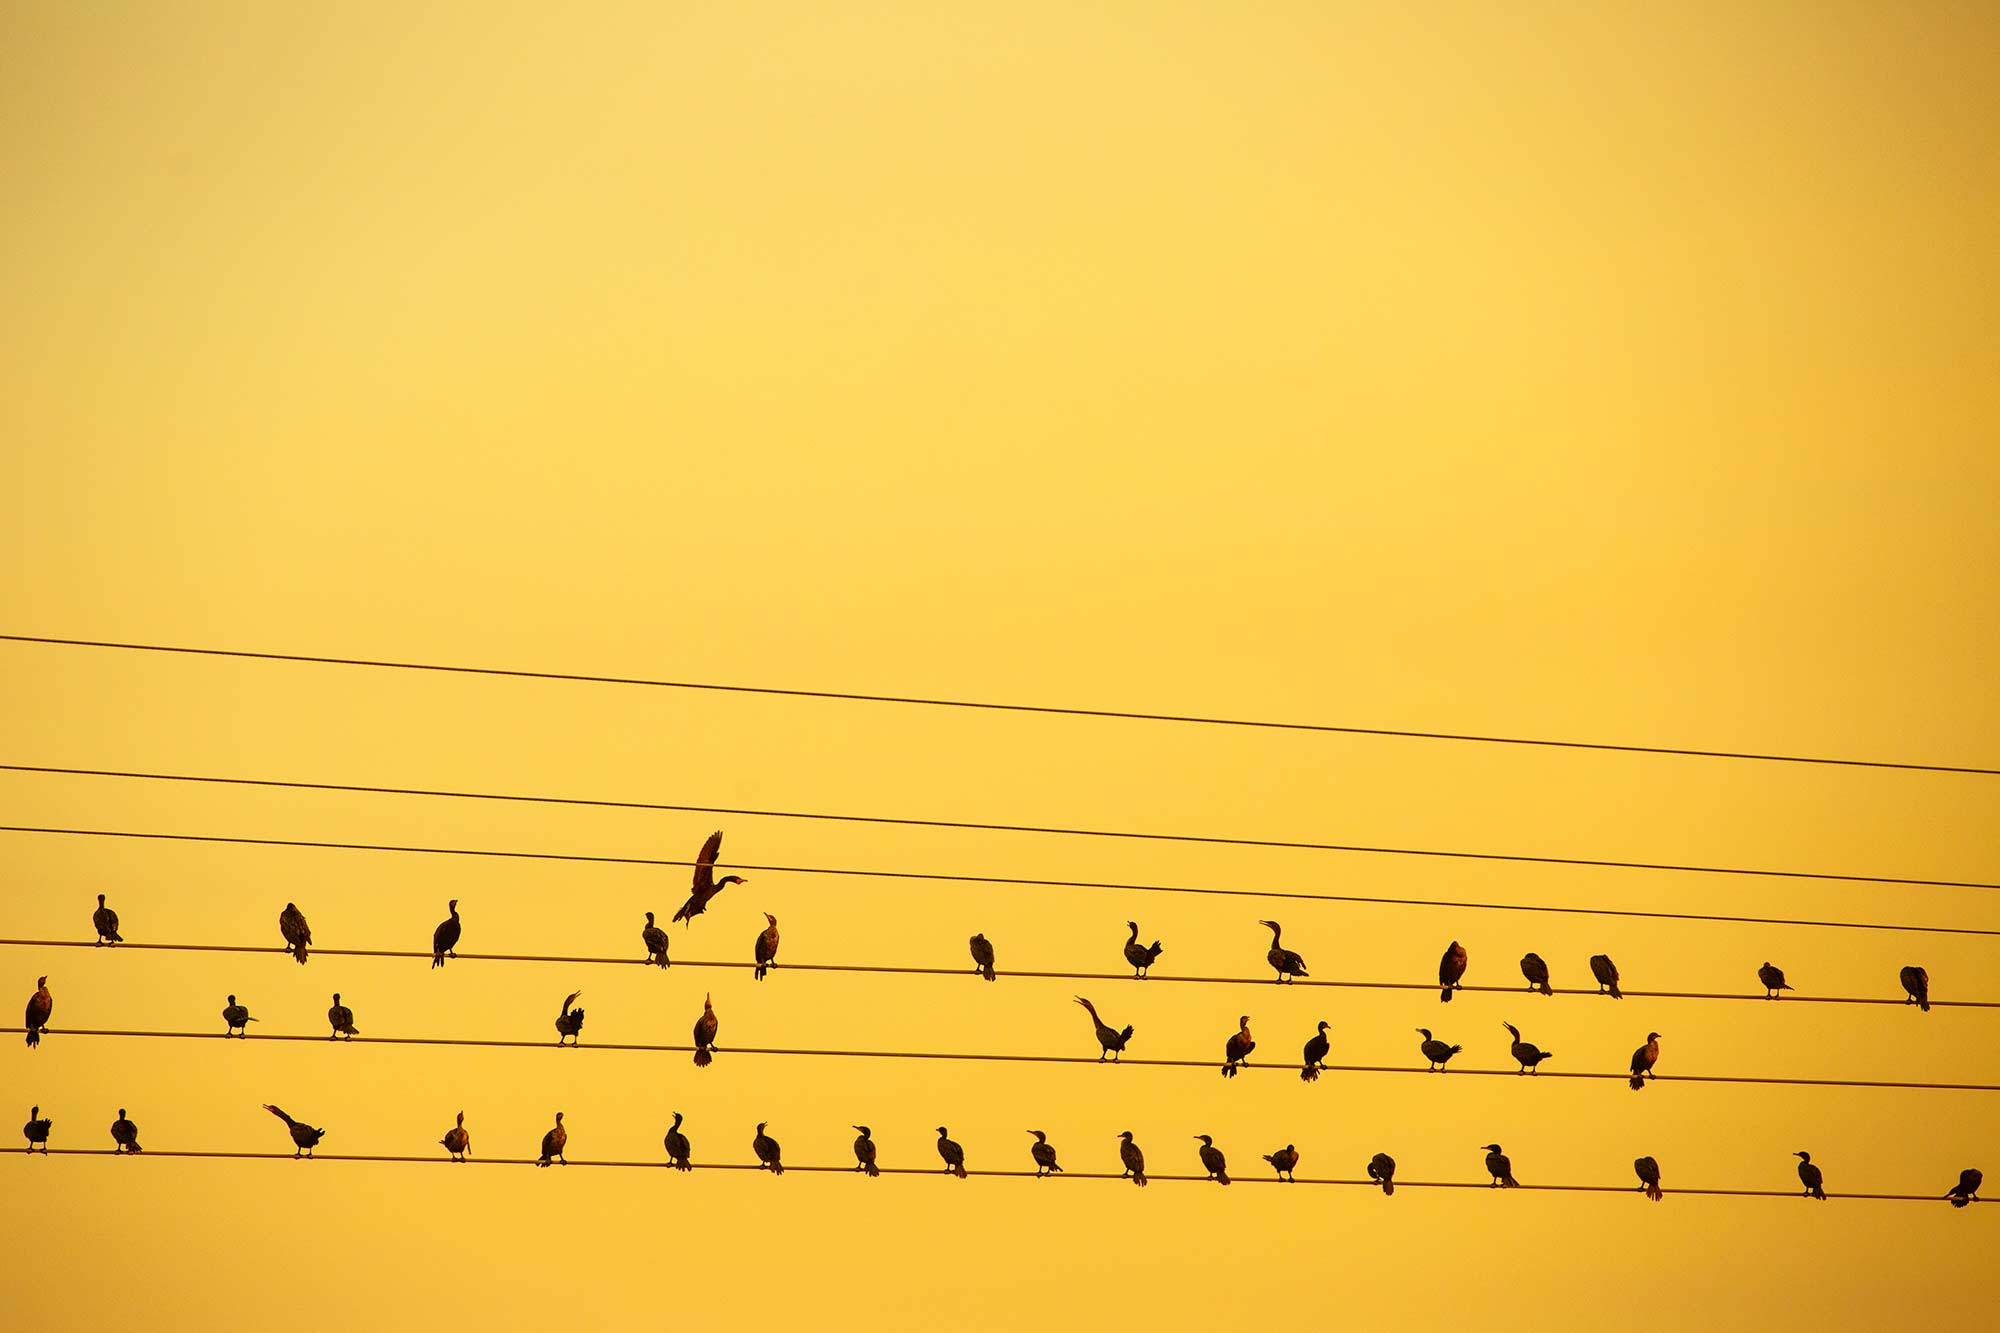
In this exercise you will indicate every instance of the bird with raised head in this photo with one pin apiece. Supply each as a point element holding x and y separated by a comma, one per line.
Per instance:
<point>766,1149</point>
<point>1811,1177</point>
<point>1283,1160</point>
<point>1110,1040</point>
<point>765,949</point>
<point>704,1033</point>
<point>236,1019</point>
<point>1643,1060</point>
<point>1773,979</point>
<point>679,1150</point>
<point>1526,1053</point>
<point>1966,1191</point>
<point>341,1019</point>
<point>292,925</point>
<point>37,1130</point>
<point>1648,1172</point>
<point>124,1134</point>
<point>40,1005</point>
<point>457,1140</point>
<point>444,940</point>
<point>1606,973</point>
<point>1382,1170</point>
<point>1140,956</point>
<point>1044,1154</point>
<point>1537,973</point>
<point>569,1023</point>
<point>553,1144</point>
<point>1315,1054</point>
<point>1135,1161</point>
<point>954,1156</point>
<point>1917,985</point>
<point>304,1137</point>
<point>1236,1051</point>
<point>1450,968</point>
<point>1287,964</point>
<point>1435,1051</point>
<point>982,956</point>
<point>1500,1168</point>
<point>1212,1160</point>
<point>706,885</point>
<point>864,1152</point>
<point>106,922</point>
<point>656,942</point>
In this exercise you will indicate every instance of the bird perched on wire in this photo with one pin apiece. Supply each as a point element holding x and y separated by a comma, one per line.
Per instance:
<point>1316,1050</point>
<point>864,1152</point>
<point>37,1130</point>
<point>982,956</point>
<point>656,942</point>
<point>124,1134</point>
<point>1643,1059</point>
<point>1135,1161</point>
<point>236,1019</point>
<point>706,885</point>
<point>954,1156</point>
<point>1773,979</point>
<point>1526,1052</point>
<point>1140,956</point>
<point>1212,1160</point>
<point>1966,1191</point>
<point>553,1144</point>
<point>444,940</point>
<point>1500,1168</point>
<point>1288,964</point>
<point>457,1140</point>
<point>1435,1051</point>
<point>1811,1177</point>
<point>704,1033</point>
<point>1044,1154</point>
<point>570,1021</point>
<point>106,922</point>
<point>304,1137</point>
<point>40,1005</point>
<point>1537,973</point>
<point>766,1149</point>
<point>1917,983</point>
<point>1606,973</point>
<point>1382,1170</point>
<point>1109,1039</point>
<point>1450,968</point>
<point>679,1150</point>
<point>341,1018</point>
<point>292,925</point>
<point>1649,1177</point>
<point>1283,1160</point>
<point>766,947</point>
<point>1236,1051</point>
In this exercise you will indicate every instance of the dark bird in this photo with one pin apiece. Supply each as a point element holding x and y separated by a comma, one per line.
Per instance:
<point>1606,973</point>
<point>1642,1060</point>
<point>766,1149</point>
<point>982,956</point>
<point>292,925</point>
<point>1450,968</point>
<point>457,1141</point>
<point>570,1021</point>
<point>1110,1039</point>
<point>342,1020</point>
<point>1436,1051</point>
<point>1537,972</point>
<point>1236,1051</point>
<point>37,1131</point>
<point>1382,1168</point>
<point>1500,1168</point>
<point>678,1147</point>
<point>706,885</point>
<point>704,1033</point>
<point>236,1019</point>
<point>1044,1154</point>
<point>1287,963</point>
<point>106,922</point>
<point>445,938</point>
<point>1283,1160</point>
<point>125,1134</point>
<point>656,942</point>
<point>1966,1191</point>
<point>954,1156</point>
<point>864,1152</point>
<point>1773,979</point>
<point>40,1006</point>
<point>1212,1160</point>
<point>1918,983</point>
<point>304,1137</point>
<point>553,1144</point>
<point>1526,1053</point>
<point>1140,956</point>
<point>1810,1177</point>
<point>1649,1177</point>
<point>766,948</point>
<point>1316,1050</point>
<point>1135,1161</point>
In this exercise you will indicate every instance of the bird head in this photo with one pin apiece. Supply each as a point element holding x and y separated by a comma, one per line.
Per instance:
<point>768,917</point>
<point>41,981</point>
<point>1803,1156</point>
<point>1133,924</point>
<point>121,1113</point>
<point>1512,1030</point>
<point>1324,1025</point>
<point>1268,925</point>
<point>649,918</point>
<point>558,1117</point>
<point>461,1117</point>
<point>731,879</point>
<point>1205,1139</point>
<point>232,999</point>
<point>336,997</point>
<point>863,1129</point>
<point>942,1132</point>
<point>1493,1147</point>
<point>451,906</point>
<point>761,1124</point>
<point>1652,1036</point>
<point>1426,1032</point>
<point>708,1002</point>
<point>1243,1021</point>
<point>100,900</point>
<point>291,907</point>
<point>1125,1134</point>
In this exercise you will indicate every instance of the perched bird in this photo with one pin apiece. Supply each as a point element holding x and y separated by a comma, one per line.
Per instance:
<point>706,885</point>
<point>704,1032</point>
<point>1606,973</point>
<point>678,1147</point>
<point>1109,1039</point>
<point>766,948</point>
<point>1966,1191</point>
<point>982,956</point>
<point>1450,968</point>
<point>1236,1051</point>
<point>1918,983</point>
<point>1044,1154</point>
<point>40,1006</point>
<point>1537,972</point>
<point>1642,1060</point>
<point>1526,1052</point>
<point>1283,1160</point>
<point>1773,979</point>
<point>445,938</point>
<point>1287,963</point>
<point>292,925</point>
<point>1500,1168</point>
<point>125,1134</point>
<point>766,1149</point>
<point>1135,1161</point>
<point>106,922</point>
<point>864,1152</point>
<point>553,1144</point>
<point>236,1019</point>
<point>304,1137</point>
<point>1382,1168</point>
<point>342,1019</point>
<point>37,1131</point>
<point>1140,956</point>
<point>457,1141</point>
<point>1810,1177</point>
<point>656,942</point>
<point>1649,1177</point>
<point>954,1156</point>
<point>1212,1160</point>
<point>570,1021</point>
<point>1317,1047</point>
<point>1436,1051</point>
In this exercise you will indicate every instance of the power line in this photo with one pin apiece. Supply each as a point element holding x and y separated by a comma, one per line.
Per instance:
<point>978,827</point>
<point>964,972</point>
<point>944,878</point>
<point>1049,710</point>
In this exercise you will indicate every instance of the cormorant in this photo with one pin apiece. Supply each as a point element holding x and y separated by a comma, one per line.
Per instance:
<point>766,948</point>
<point>553,1144</point>
<point>1110,1039</point>
<point>1140,956</point>
<point>1606,973</point>
<point>1436,1051</point>
<point>1382,1168</point>
<point>1213,1161</point>
<point>656,942</point>
<point>704,1032</point>
<point>1966,1191</point>
<point>1500,1168</point>
<point>1450,968</point>
<point>1526,1052</point>
<point>234,1017</point>
<point>1810,1177</point>
<point>37,1131</point>
<point>40,1005</point>
<point>445,938</point>
<point>1287,963</point>
<point>292,925</point>
<point>1918,983</point>
<point>1316,1050</point>
<point>706,885</point>
<point>864,1152</point>
<point>1537,973</point>
<point>106,922</point>
<point>570,1021</point>
<point>456,1140</point>
<point>954,1156</point>
<point>125,1134</point>
<point>1135,1161</point>
<point>1649,1177</point>
<point>982,956</point>
<point>766,1149</point>
<point>678,1147</point>
<point>1236,1051</point>
<point>1773,979</point>
<point>342,1020</point>
<point>1044,1154</point>
<point>1642,1060</point>
<point>304,1137</point>
<point>1283,1160</point>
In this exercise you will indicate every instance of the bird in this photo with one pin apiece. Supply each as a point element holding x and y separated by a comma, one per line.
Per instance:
<point>982,956</point>
<point>1526,1052</point>
<point>445,938</point>
<point>706,885</point>
<point>570,1021</point>
<point>1436,1051</point>
<point>292,925</point>
<point>1140,956</point>
<point>766,1149</point>
<point>678,1147</point>
<point>1643,1059</point>
<point>456,1140</point>
<point>236,1016</point>
<point>1810,1177</point>
<point>304,1137</point>
<point>1044,1154</point>
<point>1606,973</point>
<point>40,1005</point>
<point>106,922</point>
<point>342,1019</point>
<point>37,1130</point>
<point>656,942</point>
<point>553,1144</point>
<point>1287,963</point>
<point>1382,1168</point>
<point>1966,1191</point>
<point>1918,983</point>
<point>1283,1161</point>
<point>766,948</point>
<point>1537,973</point>
<point>1500,1168</point>
<point>125,1134</point>
<point>1135,1161</point>
<point>1317,1047</point>
<point>704,1033</point>
<point>954,1156</point>
<point>1773,979</point>
<point>1212,1160</point>
<point>1450,968</point>
<point>864,1152</point>
<point>1236,1051</point>
<point>1110,1039</point>
<point>1649,1177</point>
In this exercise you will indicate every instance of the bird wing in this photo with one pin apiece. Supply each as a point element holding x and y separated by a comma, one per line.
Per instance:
<point>704,865</point>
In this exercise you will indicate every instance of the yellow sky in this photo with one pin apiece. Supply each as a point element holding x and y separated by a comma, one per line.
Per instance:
<point>1590,372</point>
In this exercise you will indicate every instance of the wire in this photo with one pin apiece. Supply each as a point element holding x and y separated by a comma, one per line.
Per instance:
<point>1049,710</point>
<point>1202,839</point>
<point>1287,895</point>
<point>961,972</point>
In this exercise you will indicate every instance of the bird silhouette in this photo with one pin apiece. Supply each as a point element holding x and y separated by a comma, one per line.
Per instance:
<point>1044,1154</point>
<point>678,1147</point>
<point>1436,1051</point>
<point>864,1152</point>
<point>765,950</point>
<point>1212,1160</point>
<point>766,1149</point>
<point>1316,1050</point>
<point>1810,1177</point>
<point>304,1137</point>
<point>1140,956</point>
<point>553,1144</point>
<point>1450,968</point>
<point>1382,1169</point>
<point>1917,982</point>
<point>37,1130</point>
<point>1109,1039</point>
<point>656,942</point>
<point>341,1019</point>
<point>106,922</point>
<point>1135,1161</point>
<point>1537,973</point>
<point>40,1005</point>
<point>706,885</point>
<point>124,1134</point>
<point>236,1019</point>
<point>704,1033</point>
<point>1606,973</point>
<point>292,925</point>
<point>1500,1168</point>
<point>1773,979</point>
<point>1649,1177</point>
<point>1643,1059</point>
<point>1966,1191</point>
<point>1529,1055</point>
<point>457,1140</point>
<point>982,956</point>
<point>1288,964</point>
<point>1236,1051</point>
<point>569,1023</point>
<point>444,940</point>
<point>1283,1160</point>
<point>954,1156</point>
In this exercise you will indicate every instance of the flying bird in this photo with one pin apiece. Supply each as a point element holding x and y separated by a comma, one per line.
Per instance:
<point>1966,1191</point>
<point>1537,973</point>
<point>292,925</point>
<point>704,1033</point>
<point>1606,973</point>
<point>236,1019</point>
<point>1810,1177</point>
<point>1044,1154</point>
<point>445,938</point>
<point>1436,1051</point>
<point>40,1005</point>
<point>982,956</point>
<point>1109,1039</point>
<point>679,1150</point>
<point>1773,979</point>
<point>106,922</point>
<point>766,947</point>
<point>570,1021</point>
<point>1643,1059</point>
<point>1212,1160</point>
<point>1450,968</point>
<point>1288,964</point>
<point>1283,1160</point>
<point>1526,1053</point>
<point>1236,1051</point>
<point>766,1149</point>
<point>1135,1161</point>
<point>125,1134</point>
<point>1500,1168</point>
<point>1382,1168</point>
<point>1140,956</point>
<point>456,1140</point>
<point>304,1137</point>
<point>864,1152</point>
<point>1649,1177</point>
<point>656,942</point>
<point>954,1156</point>
<point>1316,1050</point>
<point>342,1020</point>
<point>37,1130</point>
<point>1918,983</point>
<point>553,1144</point>
<point>706,885</point>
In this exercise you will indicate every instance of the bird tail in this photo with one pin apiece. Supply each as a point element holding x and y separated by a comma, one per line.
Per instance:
<point>1616,994</point>
<point>299,952</point>
<point>759,974</point>
<point>872,1170</point>
<point>1309,1074</point>
<point>777,1168</point>
<point>1229,1069</point>
<point>1510,1183</point>
<point>115,937</point>
<point>1638,1082</point>
<point>1139,1179</point>
<point>1444,995</point>
<point>702,1058</point>
<point>1819,1192</point>
<point>958,1169</point>
<point>34,1038</point>
<point>1655,1193</point>
<point>1959,1200</point>
<point>1053,1167</point>
<point>437,960</point>
<point>1924,1004</point>
<point>1388,1187</point>
<point>1222,1177</point>
<point>1126,1035</point>
<point>133,1147</point>
<point>1153,953</point>
<point>247,1021</point>
<point>1544,988</point>
<point>987,971</point>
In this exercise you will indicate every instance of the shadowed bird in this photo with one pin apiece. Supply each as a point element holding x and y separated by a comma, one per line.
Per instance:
<point>1109,1039</point>
<point>1283,1161</point>
<point>1135,1161</point>
<point>982,956</point>
<point>292,925</point>
<point>1773,979</point>
<point>1606,973</point>
<point>37,1130</point>
<point>304,1137</point>
<point>1236,1051</point>
<point>656,942</point>
<point>1917,982</point>
<point>1649,1177</point>
<point>1450,968</point>
<point>704,1032</point>
<point>706,885</point>
<point>457,1141</point>
<point>1436,1051</point>
<point>341,1018</point>
<point>106,922</point>
<point>679,1150</point>
<point>1966,1191</point>
<point>1044,1154</point>
<point>954,1156</point>
<point>1498,1167</point>
<point>1810,1177</point>
<point>864,1152</point>
<point>1526,1053</point>
<point>570,1021</point>
<point>1643,1059</point>
<point>40,1005</point>
<point>1212,1160</point>
<point>1140,956</point>
<point>125,1134</point>
<point>1317,1047</point>
<point>234,1017</point>
<point>445,938</point>
<point>1287,963</point>
<point>766,947</point>
<point>766,1149</point>
<point>553,1144</point>
<point>1537,973</point>
<point>1382,1169</point>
